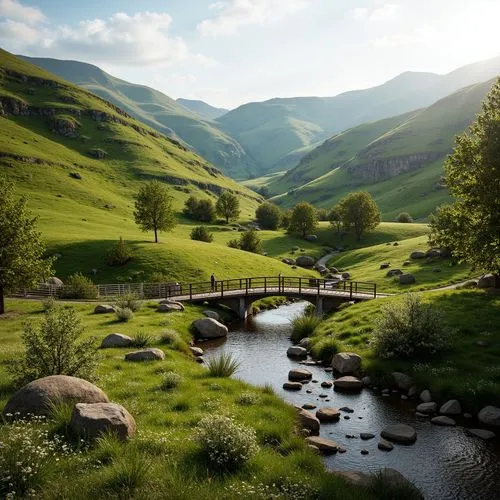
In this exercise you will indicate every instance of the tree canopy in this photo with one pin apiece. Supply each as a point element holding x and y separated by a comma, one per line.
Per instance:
<point>228,206</point>
<point>470,227</point>
<point>199,209</point>
<point>303,219</point>
<point>268,215</point>
<point>22,262</point>
<point>153,208</point>
<point>359,212</point>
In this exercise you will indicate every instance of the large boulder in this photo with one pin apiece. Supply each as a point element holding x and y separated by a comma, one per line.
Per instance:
<point>311,237</point>
<point>290,262</point>
<point>196,351</point>
<point>490,415</point>
<point>433,252</point>
<point>36,397</point>
<point>299,374</point>
<point>394,272</point>
<point>309,422</point>
<point>305,261</point>
<point>324,445</point>
<point>209,328</point>
<point>212,314</point>
<point>292,386</point>
<point>327,414</point>
<point>54,281</point>
<point>427,408</point>
<point>95,419</point>
<point>403,382</point>
<point>116,340</point>
<point>443,420</point>
<point>486,281</point>
<point>296,352</point>
<point>346,362</point>
<point>170,306</point>
<point>451,407</point>
<point>426,396</point>
<point>399,433</point>
<point>104,309</point>
<point>406,279</point>
<point>150,354</point>
<point>348,383</point>
<point>417,255</point>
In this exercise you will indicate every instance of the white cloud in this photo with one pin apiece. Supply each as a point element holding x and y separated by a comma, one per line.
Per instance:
<point>142,39</point>
<point>13,10</point>
<point>422,35</point>
<point>238,13</point>
<point>386,12</point>
<point>360,13</point>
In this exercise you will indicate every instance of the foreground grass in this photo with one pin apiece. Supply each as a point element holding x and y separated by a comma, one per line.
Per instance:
<point>468,371</point>
<point>163,460</point>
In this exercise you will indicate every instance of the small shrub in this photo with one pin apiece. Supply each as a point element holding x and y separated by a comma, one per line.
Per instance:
<point>170,381</point>
<point>170,337</point>
<point>201,233</point>
<point>49,303</point>
<point>141,339</point>
<point>225,443</point>
<point>129,471</point>
<point>79,286</point>
<point>268,389</point>
<point>248,399</point>
<point>108,447</point>
<point>223,365</point>
<point>233,243</point>
<point>404,217</point>
<point>55,347</point>
<point>128,300</point>
<point>124,315</point>
<point>409,329</point>
<point>119,254</point>
<point>303,326</point>
<point>324,349</point>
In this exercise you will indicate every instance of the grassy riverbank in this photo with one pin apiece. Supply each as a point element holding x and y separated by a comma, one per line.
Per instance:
<point>468,371</point>
<point>163,460</point>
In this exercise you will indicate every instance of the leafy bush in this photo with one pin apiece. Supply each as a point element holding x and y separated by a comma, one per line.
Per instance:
<point>54,347</point>
<point>249,241</point>
<point>199,209</point>
<point>124,315</point>
<point>268,215</point>
<point>119,254</point>
<point>225,443</point>
<point>79,286</point>
<point>303,326</point>
<point>404,217</point>
<point>249,399</point>
<point>233,243</point>
<point>48,303</point>
<point>128,301</point>
<point>201,233</point>
<point>141,339</point>
<point>409,329</point>
<point>324,349</point>
<point>223,365</point>
<point>170,381</point>
<point>174,340</point>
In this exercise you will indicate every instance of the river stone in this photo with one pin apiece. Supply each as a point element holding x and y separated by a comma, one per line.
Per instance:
<point>309,421</point>
<point>196,351</point>
<point>421,415</point>
<point>299,374</point>
<point>385,445</point>
<point>103,309</point>
<point>443,420</point>
<point>304,261</point>
<point>406,279</point>
<point>95,419</point>
<point>292,386</point>
<point>311,237</point>
<point>328,414</point>
<point>490,415</point>
<point>403,381</point>
<point>296,352</point>
<point>324,445</point>
<point>35,398</point>
<point>54,281</point>
<point>170,307</point>
<point>481,433</point>
<point>116,340</point>
<point>366,380</point>
<point>366,435</point>
<point>348,383</point>
<point>486,281</point>
<point>394,272</point>
<point>346,362</point>
<point>427,408</point>
<point>417,255</point>
<point>451,407</point>
<point>212,314</point>
<point>305,343</point>
<point>209,328</point>
<point>384,265</point>
<point>326,384</point>
<point>150,354</point>
<point>425,396</point>
<point>308,406</point>
<point>399,433</point>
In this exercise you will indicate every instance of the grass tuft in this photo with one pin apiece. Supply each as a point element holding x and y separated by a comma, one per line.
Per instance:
<point>223,365</point>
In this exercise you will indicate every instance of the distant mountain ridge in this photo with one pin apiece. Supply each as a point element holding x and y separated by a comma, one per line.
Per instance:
<point>202,108</point>
<point>158,111</point>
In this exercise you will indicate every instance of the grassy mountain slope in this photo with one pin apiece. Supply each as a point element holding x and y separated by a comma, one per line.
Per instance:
<point>158,111</point>
<point>51,131</point>
<point>401,167</point>
<point>270,130</point>
<point>202,108</point>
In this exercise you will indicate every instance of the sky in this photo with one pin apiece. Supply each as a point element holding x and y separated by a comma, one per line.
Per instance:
<point>229,52</point>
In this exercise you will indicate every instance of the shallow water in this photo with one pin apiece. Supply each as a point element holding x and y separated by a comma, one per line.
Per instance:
<point>444,463</point>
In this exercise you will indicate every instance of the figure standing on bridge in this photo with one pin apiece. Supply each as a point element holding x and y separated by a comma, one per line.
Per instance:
<point>213,285</point>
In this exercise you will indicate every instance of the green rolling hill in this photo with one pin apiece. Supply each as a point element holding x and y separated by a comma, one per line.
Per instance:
<point>398,160</point>
<point>160,112</point>
<point>278,132</point>
<point>80,161</point>
<point>202,108</point>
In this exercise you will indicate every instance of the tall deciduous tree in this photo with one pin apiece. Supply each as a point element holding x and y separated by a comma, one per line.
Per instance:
<point>303,219</point>
<point>21,249</point>
<point>268,215</point>
<point>228,206</point>
<point>335,218</point>
<point>359,212</point>
<point>153,208</point>
<point>470,227</point>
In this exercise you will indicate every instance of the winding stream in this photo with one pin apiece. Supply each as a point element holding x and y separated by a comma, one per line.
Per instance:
<point>444,463</point>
